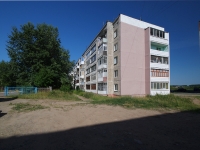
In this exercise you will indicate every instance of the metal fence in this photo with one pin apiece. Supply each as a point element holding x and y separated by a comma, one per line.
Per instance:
<point>8,91</point>
<point>44,89</point>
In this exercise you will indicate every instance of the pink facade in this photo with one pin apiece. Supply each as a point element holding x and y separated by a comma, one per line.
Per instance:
<point>133,79</point>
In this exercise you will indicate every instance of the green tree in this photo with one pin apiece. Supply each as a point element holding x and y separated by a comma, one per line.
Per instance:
<point>6,74</point>
<point>37,56</point>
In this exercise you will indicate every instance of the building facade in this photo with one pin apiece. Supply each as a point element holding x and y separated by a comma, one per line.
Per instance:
<point>127,57</point>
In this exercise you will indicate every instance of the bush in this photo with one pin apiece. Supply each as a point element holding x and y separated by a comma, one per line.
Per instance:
<point>66,88</point>
<point>77,88</point>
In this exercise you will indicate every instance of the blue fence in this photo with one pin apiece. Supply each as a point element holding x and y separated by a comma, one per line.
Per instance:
<point>8,91</point>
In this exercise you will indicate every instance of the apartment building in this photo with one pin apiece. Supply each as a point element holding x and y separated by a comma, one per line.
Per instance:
<point>127,57</point>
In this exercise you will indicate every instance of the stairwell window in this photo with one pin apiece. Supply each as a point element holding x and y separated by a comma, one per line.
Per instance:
<point>115,60</point>
<point>115,46</point>
<point>115,34</point>
<point>116,73</point>
<point>115,87</point>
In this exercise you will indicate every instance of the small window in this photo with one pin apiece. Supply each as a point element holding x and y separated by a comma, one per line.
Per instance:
<point>115,87</point>
<point>158,33</point>
<point>151,31</point>
<point>115,34</point>
<point>116,73</point>
<point>115,60</point>
<point>115,46</point>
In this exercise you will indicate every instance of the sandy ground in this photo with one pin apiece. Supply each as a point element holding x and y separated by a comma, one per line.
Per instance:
<point>80,125</point>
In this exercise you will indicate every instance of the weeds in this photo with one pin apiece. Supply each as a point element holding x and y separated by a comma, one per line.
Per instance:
<point>26,107</point>
<point>55,94</point>
<point>149,102</point>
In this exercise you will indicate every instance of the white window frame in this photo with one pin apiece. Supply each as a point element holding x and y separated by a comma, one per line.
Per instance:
<point>115,47</point>
<point>115,60</point>
<point>115,87</point>
<point>115,33</point>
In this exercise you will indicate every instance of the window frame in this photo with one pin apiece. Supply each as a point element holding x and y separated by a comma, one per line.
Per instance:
<point>115,34</point>
<point>115,73</point>
<point>115,60</point>
<point>115,87</point>
<point>115,47</point>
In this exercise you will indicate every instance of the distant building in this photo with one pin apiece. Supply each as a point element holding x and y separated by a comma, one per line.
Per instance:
<point>127,57</point>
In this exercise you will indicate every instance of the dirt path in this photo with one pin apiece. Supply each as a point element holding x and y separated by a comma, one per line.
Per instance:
<point>80,125</point>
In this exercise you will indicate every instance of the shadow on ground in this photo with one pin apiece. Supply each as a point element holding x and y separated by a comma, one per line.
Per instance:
<point>168,131</point>
<point>2,114</point>
<point>4,99</point>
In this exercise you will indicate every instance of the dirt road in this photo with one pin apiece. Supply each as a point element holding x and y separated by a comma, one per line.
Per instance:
<point>79,125</point>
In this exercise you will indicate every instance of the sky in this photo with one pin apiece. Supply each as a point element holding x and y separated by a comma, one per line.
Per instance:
<point>79,22</point>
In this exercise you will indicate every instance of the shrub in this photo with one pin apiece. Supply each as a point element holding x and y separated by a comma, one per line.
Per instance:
<point>66,88</point>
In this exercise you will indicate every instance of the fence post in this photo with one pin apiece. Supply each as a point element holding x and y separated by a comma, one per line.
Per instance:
<point>50,88</point>
<point>35,89</point>
<point>5,91</point>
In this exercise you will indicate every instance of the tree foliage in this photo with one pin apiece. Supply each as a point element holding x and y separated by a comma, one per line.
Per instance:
<point>37,58</point>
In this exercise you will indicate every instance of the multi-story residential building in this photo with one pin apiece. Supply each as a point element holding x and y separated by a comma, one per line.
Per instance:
<point>127,57</point>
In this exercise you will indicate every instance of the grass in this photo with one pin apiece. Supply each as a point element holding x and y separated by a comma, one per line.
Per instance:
<point>26,107</point>
<point>198,97</point>
<point>167,102</point>
<point>55,95</point>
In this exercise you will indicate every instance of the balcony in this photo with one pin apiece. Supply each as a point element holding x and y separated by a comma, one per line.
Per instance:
<point>82,76</point>
<point>102,77</point>
<point>102,66</point>
<point>77,84</point>
<point>82,83</point>
<point>103,40</point>
<point>160,40</point>
<point>102,88</point>
<point>159,53</point>
<point>82,62</point>
<point>159,79</point>
<point>159,65</point>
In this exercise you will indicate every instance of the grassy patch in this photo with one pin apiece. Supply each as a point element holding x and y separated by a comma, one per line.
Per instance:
<point>198,97</point>
<point>55,94</point>
<point>167,102</point>
<point>92,96</point>
<point>26,107</point>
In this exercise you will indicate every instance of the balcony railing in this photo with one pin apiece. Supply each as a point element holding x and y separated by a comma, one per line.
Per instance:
<point>103,40</point>
<point>160,62</point>
<point>102,66</point>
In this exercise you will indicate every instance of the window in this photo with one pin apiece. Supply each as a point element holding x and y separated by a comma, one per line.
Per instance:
<point>116,73</point>
<point>102,86</point>
<point>115,46</point>
<point>93,49</point>
<point>102,60</point>
<point>87,62</point>
<point>87,78</point>
<point>88,87</point>
<point>93,86</point>
<point>151,31</point>
<point>159,73</point>
<point>93,58</point>
<point>88,54</point>
<point>159,85</point>
<point>158,59</point>
<point>93,68</point>
<point>88,71</point>
<point>93,77</point>
<point>115,60</point>
<point>115,87</point>
<point>115,34</point>
<point>157,33</point>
